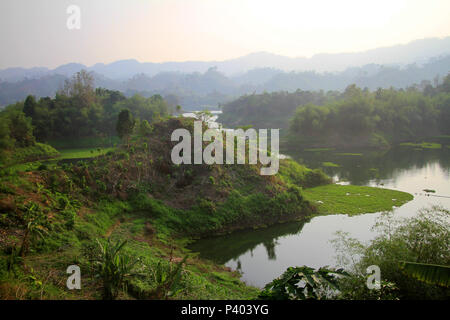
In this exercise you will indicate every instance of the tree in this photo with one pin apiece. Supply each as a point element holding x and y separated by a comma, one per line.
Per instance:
<point>29,106</point>
<point>21,129</point>
<point>80,85</point>
<point>144,128</point>
<point>125,124</point>
<point>415,246</point>
<point>5,140</point>
<point>204,115</point>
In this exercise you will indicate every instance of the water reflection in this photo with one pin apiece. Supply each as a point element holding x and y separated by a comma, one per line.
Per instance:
<point>262,255</point>
<point>229,247</point>
<point>365,166</point>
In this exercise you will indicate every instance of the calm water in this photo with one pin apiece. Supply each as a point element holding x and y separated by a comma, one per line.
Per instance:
<point>262,255</point>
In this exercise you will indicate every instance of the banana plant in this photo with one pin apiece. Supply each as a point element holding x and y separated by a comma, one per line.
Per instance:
<point>429,273</point>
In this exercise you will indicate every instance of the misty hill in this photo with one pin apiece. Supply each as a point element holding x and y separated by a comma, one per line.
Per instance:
<point>403,54</point>
<point>212,87</point>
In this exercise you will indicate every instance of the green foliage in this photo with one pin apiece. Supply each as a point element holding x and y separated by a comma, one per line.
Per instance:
<point>204,115</point>
<point>113,268</point>
<point>375,119</point>
<point>36,225</point>
<point>77,112</point>
<point>354,287</point>
<point>424,145</point>
<point>167,276</point>
<point>125,124</point>
<point>423,238</point>
<point>144,128</point>
<point>293,173</point>
<point>300,283</point>
<point>15,129</point>
<point>429,273</point>
<point>267,110</point>
<point>330,164</point>
<point>83,153</point>
<point>333,199</point>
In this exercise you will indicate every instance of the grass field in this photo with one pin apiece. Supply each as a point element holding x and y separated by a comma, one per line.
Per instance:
<point>82,153</point>
<point>423,145</point>
<point>349,154</point>
<point>352,200</point>
<point>329,164</point>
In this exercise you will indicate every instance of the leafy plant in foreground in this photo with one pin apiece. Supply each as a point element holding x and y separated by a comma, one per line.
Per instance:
<point>429,273</point>
<point>113,268</point>
<point>300,283</point>
<point>168,279</point>
<point>36,225</point>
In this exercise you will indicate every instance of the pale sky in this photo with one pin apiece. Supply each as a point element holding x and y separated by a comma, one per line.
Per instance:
<point>34,32</point>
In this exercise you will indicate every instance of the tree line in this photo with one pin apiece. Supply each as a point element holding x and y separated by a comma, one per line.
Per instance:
<point>78,110</point>
<point>378,118</point>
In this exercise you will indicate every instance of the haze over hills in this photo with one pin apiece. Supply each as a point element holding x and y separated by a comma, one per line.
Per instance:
<point>403,54</point>
<point>196,84</point>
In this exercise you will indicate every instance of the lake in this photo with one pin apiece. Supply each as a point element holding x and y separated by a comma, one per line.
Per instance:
<point>262,255</point>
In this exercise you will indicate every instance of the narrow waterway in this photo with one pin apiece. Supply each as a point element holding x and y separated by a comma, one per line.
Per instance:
<point>262,255</point>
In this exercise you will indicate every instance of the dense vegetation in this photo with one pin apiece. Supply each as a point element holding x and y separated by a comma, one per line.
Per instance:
<point>269,110</point>
<point>354,118</point>
<point>78,116</point>
<point>420,242</point>
<point>79,111</point>
<point>378,119</point>
<point>423,238</point>
<point>64,214</point>
<point>125,215</point>
<point>209,87</point>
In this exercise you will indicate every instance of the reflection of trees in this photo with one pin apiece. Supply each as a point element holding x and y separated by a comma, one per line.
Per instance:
<point>224,248</point>
<point>372,165</point>
<point>270,248</point>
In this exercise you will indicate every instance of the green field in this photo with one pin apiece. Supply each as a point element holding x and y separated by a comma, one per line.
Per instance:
<point>423,145</point>
<point>329,164</point>
<point>82,153</point>
<point>352,200</point>
<point>349,154</point>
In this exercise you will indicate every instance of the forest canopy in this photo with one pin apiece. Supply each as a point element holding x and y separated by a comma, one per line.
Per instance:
<point>78,110</point>
<point>355,117</point>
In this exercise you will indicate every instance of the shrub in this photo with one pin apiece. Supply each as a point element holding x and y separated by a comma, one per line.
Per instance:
<point>424,238</point>
<point>113,268</point>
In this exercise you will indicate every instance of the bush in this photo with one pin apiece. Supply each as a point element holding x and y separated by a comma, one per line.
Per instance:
<point>424,238</point>
<point>113,268</point>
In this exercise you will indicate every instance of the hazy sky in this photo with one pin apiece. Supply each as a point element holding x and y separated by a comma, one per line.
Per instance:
<point>34,32</point>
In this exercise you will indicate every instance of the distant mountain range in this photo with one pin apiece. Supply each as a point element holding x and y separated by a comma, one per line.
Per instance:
<point>209,83</point>
<point>417,51</point>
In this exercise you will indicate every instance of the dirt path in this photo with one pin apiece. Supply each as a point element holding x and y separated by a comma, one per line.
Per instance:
<point>113,227</point>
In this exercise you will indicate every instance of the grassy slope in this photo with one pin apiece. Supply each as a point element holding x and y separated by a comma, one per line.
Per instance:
<point>139,195</point>
<point>351,200</point>
<point>83,153</point>
<point>38,151</point>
